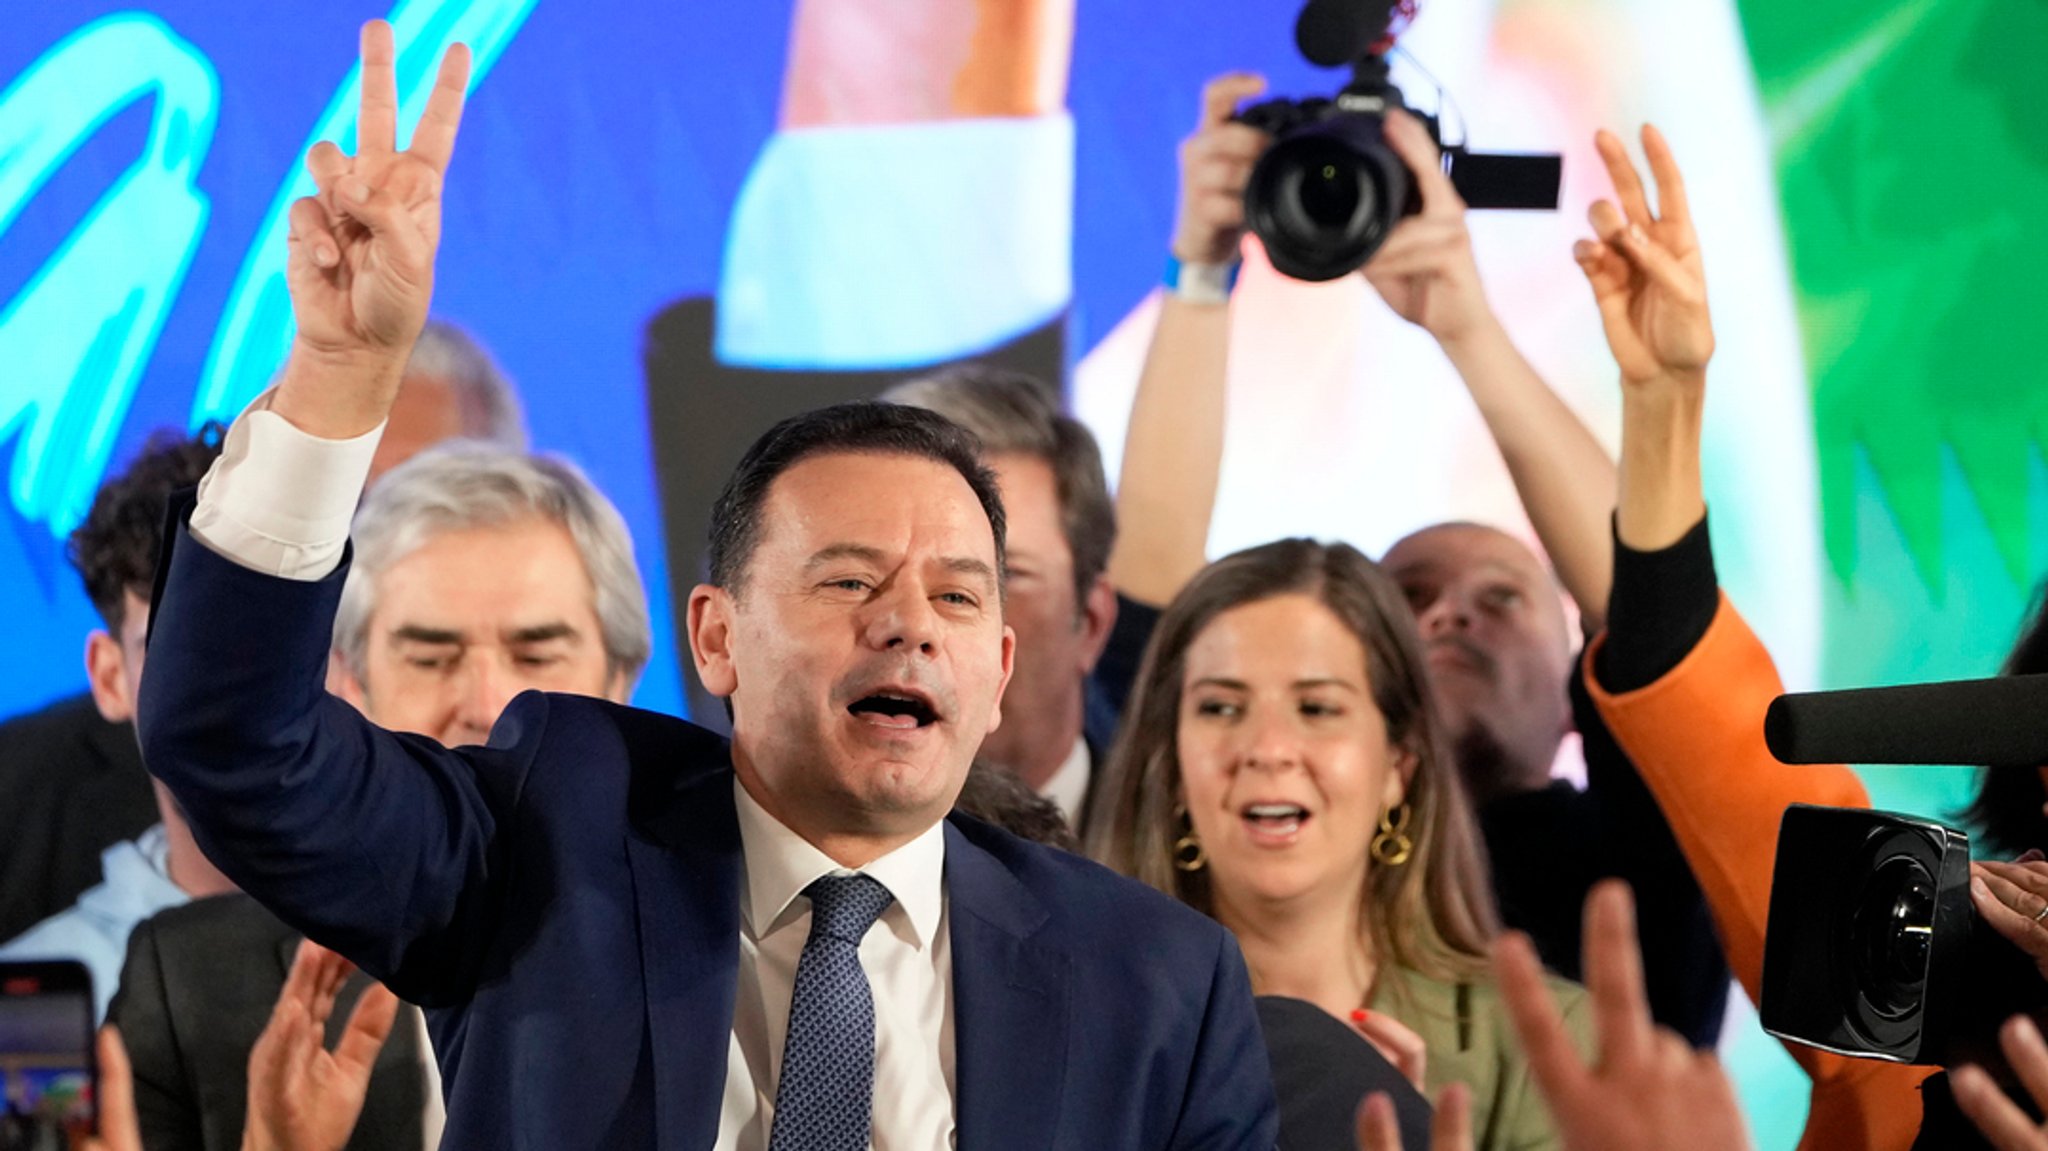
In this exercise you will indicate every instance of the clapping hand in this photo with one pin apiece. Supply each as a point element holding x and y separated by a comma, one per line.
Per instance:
<point>361,262</point>
<point>2013,899</point>
<point>1450,1125</point>
<point>303,1097</point>
<point>1645,269</point>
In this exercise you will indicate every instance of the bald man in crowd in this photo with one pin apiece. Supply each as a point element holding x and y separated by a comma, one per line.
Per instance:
<point>1492,614</point>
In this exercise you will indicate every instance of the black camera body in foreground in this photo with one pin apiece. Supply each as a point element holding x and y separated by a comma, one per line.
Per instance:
<point>1324,196</point>
<point>1873,948</point>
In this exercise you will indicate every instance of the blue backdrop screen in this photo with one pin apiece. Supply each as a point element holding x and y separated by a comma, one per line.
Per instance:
<point>145,157</point>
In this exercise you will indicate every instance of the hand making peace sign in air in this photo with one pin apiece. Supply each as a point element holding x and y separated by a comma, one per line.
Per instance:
<point>361,265</point>
<point>1645,269</point>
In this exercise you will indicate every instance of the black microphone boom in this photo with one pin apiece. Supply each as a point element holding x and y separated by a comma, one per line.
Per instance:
<point>1333,33</point>
<point>1999,722</point>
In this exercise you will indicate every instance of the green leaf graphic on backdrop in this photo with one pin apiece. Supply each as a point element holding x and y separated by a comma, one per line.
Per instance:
<point>1913,156</point>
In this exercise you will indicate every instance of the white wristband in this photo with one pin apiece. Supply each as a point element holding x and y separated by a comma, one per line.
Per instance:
<point>1200,283</point>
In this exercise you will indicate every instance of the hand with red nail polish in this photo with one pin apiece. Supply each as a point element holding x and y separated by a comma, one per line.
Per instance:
<point>1402,1047</point>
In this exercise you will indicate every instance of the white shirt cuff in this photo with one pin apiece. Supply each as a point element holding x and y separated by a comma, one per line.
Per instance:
<point>279,501</point>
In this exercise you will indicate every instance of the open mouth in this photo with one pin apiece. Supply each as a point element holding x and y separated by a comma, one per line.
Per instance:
<point>904,710</point>
<point>1274,822</point>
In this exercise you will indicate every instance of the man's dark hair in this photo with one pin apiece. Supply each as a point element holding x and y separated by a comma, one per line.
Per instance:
<point>993,795</point>
<point>1012,412</point>
<point>865,428</point>
<point>115,549</point>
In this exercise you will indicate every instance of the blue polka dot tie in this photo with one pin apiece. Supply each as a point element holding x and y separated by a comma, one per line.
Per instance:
<point>825,1100</point>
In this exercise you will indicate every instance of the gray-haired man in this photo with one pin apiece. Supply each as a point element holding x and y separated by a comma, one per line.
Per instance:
<point>479,573</point>
<point>71,781</point>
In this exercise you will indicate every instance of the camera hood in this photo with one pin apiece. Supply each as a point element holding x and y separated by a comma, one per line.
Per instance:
<point>1873,947</point>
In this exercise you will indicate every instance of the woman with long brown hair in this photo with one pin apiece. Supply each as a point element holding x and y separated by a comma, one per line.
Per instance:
<point>1280,769</point>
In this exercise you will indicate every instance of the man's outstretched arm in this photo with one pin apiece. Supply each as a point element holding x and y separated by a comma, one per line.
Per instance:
<point>368,841</point>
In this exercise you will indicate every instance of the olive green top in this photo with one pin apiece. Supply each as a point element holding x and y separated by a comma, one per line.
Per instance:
<point>1471,1041</point>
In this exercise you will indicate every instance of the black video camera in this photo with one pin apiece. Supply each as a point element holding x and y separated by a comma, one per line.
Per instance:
<point>1874,949</point>
<point>1325,195</point>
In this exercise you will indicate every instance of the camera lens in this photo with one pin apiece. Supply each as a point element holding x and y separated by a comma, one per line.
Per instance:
<point>1892,929</point>
<point>1324,197</point>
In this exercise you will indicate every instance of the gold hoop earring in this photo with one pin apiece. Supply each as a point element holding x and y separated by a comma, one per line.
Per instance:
<point>1392,847</point>
<point>1188,853</point>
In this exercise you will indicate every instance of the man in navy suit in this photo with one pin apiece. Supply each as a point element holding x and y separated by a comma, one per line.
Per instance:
<point>627,932</point>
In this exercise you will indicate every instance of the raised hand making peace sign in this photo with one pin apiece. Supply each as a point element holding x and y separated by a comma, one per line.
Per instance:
<point>361,266</point>
<point>1646,278</point>
<point>1645,269</point>
<point>1647,1088</point>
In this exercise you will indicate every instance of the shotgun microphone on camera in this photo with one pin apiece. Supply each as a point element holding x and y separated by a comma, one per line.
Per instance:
<point>2001,722</point>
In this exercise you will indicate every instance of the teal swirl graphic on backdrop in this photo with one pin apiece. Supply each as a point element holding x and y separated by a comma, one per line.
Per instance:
<point>256,326</point>
<point>75,339</point>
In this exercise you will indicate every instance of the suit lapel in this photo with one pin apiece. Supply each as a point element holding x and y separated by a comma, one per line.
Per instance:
<point>1010,1005</point>
<point>686,864</point>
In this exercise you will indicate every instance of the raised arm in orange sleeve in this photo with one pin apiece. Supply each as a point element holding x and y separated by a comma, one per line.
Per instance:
<point>1697,736</point>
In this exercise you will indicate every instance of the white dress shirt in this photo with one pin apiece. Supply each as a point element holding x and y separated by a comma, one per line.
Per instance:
<point>435,1117</point>
<point>908,956</point>
<point>279,501</point>
<point>1068,787</point>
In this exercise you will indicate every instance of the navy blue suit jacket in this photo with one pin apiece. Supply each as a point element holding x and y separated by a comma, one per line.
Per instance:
<point>565,902</point>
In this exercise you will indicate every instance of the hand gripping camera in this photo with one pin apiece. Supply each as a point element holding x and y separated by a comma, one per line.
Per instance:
<point>1874,948</point>
<point>1325,195</point>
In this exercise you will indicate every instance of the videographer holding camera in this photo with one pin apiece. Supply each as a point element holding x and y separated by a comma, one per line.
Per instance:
<point>1501,652</point>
